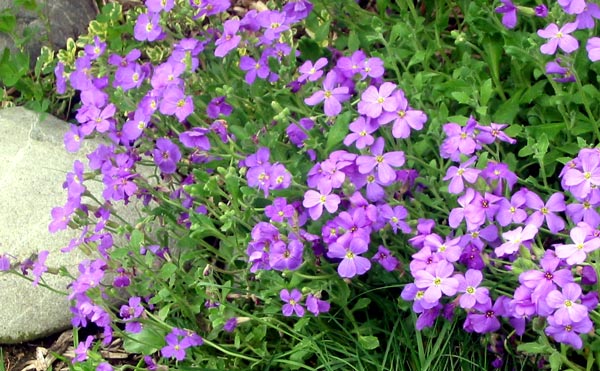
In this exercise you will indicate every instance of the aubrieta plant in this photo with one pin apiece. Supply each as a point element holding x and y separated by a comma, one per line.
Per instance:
<point>322,188</point>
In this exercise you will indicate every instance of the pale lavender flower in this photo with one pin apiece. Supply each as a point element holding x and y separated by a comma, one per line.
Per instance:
<point>572,6</point>
<point>558,38</point>
<point>565,303</point>
<point>585,19</point>
<point>315,201</point>
<point>361,130</point>
<point>593,48</point>
<point>381,162</point>
<point>310,71</point>
<point>472,293</point>
<point>147,27</point>
<point>403,118</point>
<point>437,283</point>
<point>515,238</point>
<point>457,175</point>
<point>576,253</point>
<point>568,332</point>
<point>316,306</point>
<point>374,101</point>
<point>229,40</point>
<point>332,94</point>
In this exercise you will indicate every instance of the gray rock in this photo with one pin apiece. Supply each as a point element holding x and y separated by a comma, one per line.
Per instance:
<point>33,165</point>
<point>61,19</point>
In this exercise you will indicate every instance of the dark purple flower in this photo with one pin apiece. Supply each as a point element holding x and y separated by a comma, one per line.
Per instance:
<point>196,138</point>
<point>564,73</point>
<point>284,256</point>
<point>218,106</point>
<point>541,11</point>
<point>385,258</point>
<point>166,155</point>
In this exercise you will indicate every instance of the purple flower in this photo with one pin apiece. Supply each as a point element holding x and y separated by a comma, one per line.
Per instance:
<point>585,19</point>
<point>541,11</point>
<point>96,50</point>
<point>254,68</point>
<point>312,72</point>
<point>437,282</point>
<point>572,6</point>
<point>174,348</point>
<point>174,101</point>
<point>564,73</point>
<point>147,27</point>
<point>374,101</point>
<point>493,132</point>
<point>472,293</point>
<point>404,118</point>
<point>457,175</point>
<point>395,217</point>
<point>332,94</point>
<point>361,129</point>
<point>509,13</point>
<point>576,252</point>
<point>568,332</point>
<point>316,306</point>
<point>486,320</point>
<point>558,38</point>
<point>292,302</point>
<point>61,78</point>
<point>352,263</point>
<point>156,6</point>
<point>104,366</point>
<point>381,162</point>
<point>284,256</point>
<point>460,140</point>
<point>231,324</point>
<point>314,201</point>
<point>556,203</point>
<point>166,155</point>
<point>218,106</point>
<point>585,211</point>
<point>386,259</point>
<point>593,48</point>
<point>39,266</point>
<point>228,40</point>
<point>82,349</point>
<point>567,309</point>
<point>4,263</point>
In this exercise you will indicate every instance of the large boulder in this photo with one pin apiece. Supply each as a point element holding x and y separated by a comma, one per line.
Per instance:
<point>33,166</point>
<point>61,19</point>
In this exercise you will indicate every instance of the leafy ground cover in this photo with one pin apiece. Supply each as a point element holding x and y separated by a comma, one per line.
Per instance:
<point>336,185</point>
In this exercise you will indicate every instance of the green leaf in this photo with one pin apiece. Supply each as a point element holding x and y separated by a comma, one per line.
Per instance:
<point>136,239</point>
<point>361,304</point>
<point>507,111</point>
<point>555,361</point>
<point>534,348</point>
<point>353,41</point>
<point>8,21</point>
<point>368,342</point>
<point>461,97</point>
<point>338,131</point>
<point>167,271</point>
<point>146,342</point>
<point>486,92</point>
<point>27,4</point>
